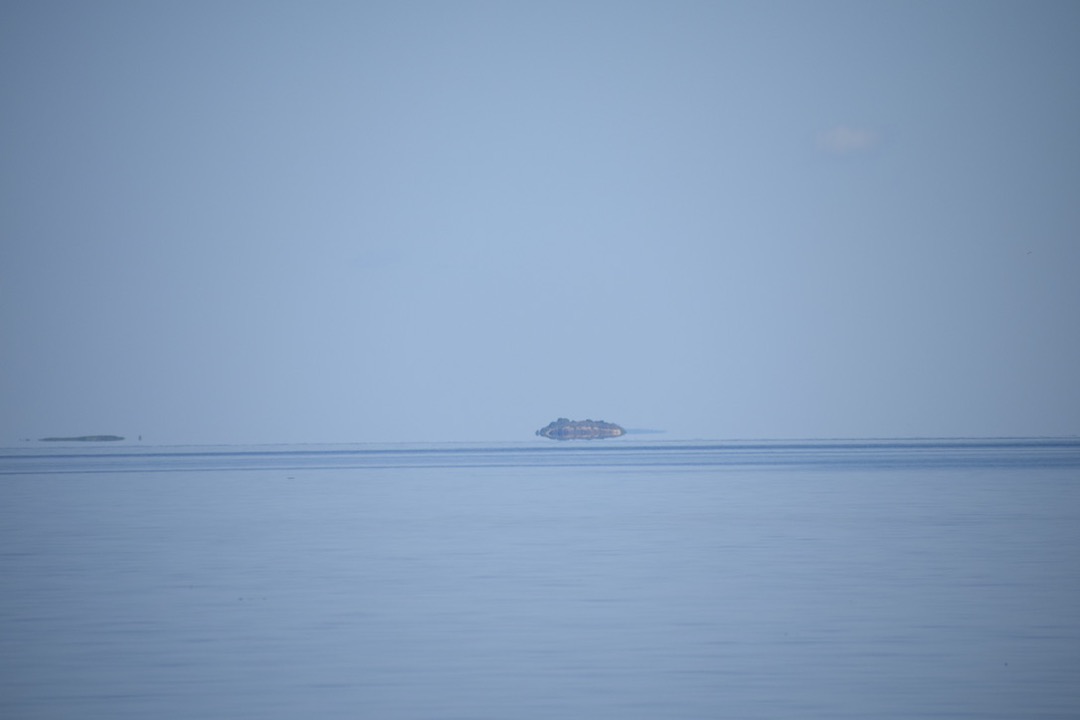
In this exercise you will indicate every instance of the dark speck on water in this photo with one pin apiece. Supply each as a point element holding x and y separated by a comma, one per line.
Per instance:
<point>637,579</point>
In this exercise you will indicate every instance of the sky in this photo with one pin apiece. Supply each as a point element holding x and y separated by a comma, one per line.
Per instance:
<point>267,222</point>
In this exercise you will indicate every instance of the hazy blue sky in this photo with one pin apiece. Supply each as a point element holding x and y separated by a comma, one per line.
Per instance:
<point>317,221</point>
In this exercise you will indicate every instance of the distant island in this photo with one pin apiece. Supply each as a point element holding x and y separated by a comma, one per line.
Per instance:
<point>84,438</point>
<point>564,429</point>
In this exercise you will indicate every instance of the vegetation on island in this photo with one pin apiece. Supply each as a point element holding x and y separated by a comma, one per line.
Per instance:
<point>564,429</point>
<point>84,438</point>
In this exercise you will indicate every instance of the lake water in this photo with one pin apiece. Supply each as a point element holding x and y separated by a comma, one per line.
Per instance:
<point>615,579</point>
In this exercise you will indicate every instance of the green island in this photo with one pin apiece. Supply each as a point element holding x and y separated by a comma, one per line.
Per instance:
<point>84,438</point>
<point>564,429</point>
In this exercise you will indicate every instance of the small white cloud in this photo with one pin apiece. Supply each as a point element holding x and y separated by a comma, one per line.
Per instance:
<point>843,140</point>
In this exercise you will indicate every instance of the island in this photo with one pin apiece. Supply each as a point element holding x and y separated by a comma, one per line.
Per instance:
<point>563,429</point>
<point>84,438</point>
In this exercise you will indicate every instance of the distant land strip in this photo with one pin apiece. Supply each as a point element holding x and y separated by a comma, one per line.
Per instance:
<point>84,438</point>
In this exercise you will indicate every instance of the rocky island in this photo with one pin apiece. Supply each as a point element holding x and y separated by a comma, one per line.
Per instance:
<point>563,429</point>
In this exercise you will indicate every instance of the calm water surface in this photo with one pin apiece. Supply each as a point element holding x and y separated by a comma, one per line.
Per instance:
<point>910,579</point>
